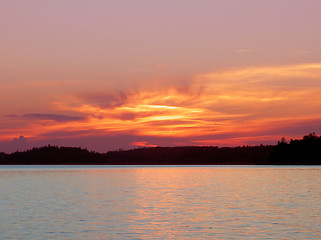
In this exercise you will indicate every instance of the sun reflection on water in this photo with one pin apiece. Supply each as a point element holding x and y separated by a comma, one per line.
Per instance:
<point>160,203</point>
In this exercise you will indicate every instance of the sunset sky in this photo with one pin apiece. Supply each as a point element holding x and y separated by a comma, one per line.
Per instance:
<point>105,75</point>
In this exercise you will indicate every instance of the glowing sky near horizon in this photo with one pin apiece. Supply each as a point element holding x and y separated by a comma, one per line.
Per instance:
<point>121,74</point>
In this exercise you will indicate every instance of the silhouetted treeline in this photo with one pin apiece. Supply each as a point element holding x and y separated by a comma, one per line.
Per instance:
<point>306,151</point>
<point>192,155</point>
<point>53,155</point>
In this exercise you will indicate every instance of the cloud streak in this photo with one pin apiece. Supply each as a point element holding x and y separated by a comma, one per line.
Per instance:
<point>231,107</point>
<point>53,117</point>
<point>45,116</point>
<point>104,100</point>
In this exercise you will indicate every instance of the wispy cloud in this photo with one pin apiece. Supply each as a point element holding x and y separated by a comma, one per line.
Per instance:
<point>104,100</point>
<point>240,104</point>
<point>44,116</point>
<point>244,50</point>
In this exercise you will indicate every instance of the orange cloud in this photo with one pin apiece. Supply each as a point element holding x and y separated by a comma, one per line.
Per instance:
<point>250,103</point>
<point>143,144</point>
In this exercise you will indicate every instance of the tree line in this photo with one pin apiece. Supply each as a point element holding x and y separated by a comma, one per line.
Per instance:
<point>306,151</point>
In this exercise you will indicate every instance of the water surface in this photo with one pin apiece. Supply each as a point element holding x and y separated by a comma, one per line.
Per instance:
<point>160,202</point>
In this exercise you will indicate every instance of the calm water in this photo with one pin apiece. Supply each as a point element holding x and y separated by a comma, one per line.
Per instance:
<point>160,202</point>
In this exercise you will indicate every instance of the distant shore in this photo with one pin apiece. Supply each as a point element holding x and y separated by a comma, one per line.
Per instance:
<point>306,151</point>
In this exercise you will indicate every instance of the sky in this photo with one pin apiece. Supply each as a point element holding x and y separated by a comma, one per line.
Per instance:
<point>107,75</point>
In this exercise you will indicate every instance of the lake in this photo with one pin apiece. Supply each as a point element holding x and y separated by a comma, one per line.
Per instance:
<point>160,202</point>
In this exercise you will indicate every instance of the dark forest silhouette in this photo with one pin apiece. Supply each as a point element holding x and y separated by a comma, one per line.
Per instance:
<point>306,151</point>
